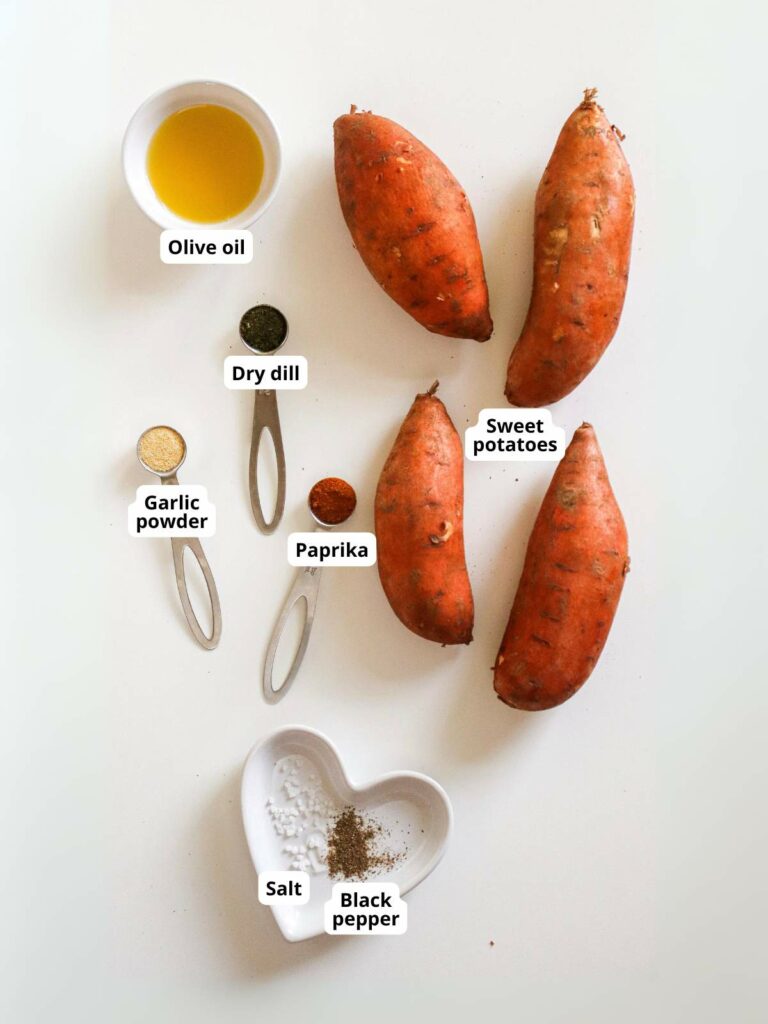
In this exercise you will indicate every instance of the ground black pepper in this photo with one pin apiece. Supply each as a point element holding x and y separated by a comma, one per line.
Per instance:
<point>263,328</point>
<point>354,847</point>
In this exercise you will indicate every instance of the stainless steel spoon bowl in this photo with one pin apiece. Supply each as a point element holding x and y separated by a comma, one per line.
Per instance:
<point>306,587</point>
<point>265,417</point>
<point>178,544</point>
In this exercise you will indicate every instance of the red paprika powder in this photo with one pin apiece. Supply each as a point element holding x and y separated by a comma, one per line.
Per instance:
<point>332,500</point>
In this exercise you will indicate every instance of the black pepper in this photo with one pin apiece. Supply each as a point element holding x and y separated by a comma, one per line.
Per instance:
<point>354,847</point>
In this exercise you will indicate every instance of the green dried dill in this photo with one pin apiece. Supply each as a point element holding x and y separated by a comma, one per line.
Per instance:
<point>263,328</point>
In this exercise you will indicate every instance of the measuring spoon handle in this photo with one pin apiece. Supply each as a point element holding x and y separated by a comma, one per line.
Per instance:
<point>305,587</point>
<point>266,417</point>
<point>178,545</point>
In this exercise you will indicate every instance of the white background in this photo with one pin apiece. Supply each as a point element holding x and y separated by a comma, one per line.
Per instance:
<point>614,849</point>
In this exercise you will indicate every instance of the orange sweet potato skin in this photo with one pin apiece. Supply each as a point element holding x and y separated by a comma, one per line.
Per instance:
<point>584,217</point>
<point>570,586</point>
<point>412,224</point>
<point>419,523</point>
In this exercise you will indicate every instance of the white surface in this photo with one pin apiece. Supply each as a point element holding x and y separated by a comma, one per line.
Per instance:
<point>413,810</point>
<point>613,849</point>
<point>166,101</point>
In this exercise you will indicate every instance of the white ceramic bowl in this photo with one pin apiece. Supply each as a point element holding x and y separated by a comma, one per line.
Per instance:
<point>413,808</point>
<point>154,111</point>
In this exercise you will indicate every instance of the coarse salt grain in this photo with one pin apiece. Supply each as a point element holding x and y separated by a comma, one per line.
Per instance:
<point>305,812</point>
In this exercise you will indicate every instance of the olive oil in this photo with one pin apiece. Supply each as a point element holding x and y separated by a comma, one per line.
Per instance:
<point>205,163</point>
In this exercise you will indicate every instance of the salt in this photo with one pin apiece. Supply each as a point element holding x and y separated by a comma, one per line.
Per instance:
<point>302,811</point>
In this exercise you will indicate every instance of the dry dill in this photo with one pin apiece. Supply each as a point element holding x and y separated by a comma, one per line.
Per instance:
<point>263,328</point>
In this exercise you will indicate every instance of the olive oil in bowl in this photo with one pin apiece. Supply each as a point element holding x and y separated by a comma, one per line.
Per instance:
<point>205,163</point>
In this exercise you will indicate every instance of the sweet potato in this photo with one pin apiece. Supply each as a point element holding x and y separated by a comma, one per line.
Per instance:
<point>585,207</point>
<point>412,224</point>
<point>570,586</point>
<point>419,522</point>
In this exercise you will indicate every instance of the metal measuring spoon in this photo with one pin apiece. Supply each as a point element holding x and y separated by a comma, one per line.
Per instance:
<point>174,455</point>
<point>263,330</point>
<point>306,585</point>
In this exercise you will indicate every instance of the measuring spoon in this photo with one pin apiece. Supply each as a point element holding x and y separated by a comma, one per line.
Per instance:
<point>174,452</point>
<point>263,330</point>
<point>305,587</point>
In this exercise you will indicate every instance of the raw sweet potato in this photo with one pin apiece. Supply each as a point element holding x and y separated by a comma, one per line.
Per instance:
<point>412,224</point>
<point>419,515</point>
<point>585,207</point>
<point>570,586</point>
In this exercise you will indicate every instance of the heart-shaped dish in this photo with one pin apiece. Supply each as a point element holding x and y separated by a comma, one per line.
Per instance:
<point>294,779</point>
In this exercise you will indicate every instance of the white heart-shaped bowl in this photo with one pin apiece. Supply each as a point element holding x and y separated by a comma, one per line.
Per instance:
<point>413,809</point>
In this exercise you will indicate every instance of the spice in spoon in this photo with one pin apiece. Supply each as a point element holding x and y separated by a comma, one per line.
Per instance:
<point>161,449</point>
<point>263,328</point>
<point>332,501</point>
